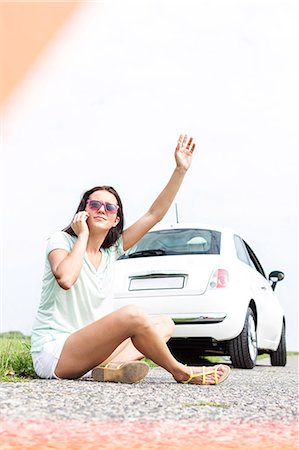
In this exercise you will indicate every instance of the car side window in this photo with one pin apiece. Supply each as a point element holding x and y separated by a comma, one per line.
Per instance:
<point>241,250</point>
<point>254,261</point>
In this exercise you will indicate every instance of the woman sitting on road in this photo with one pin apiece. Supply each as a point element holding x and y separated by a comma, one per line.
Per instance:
<point>76,332</point>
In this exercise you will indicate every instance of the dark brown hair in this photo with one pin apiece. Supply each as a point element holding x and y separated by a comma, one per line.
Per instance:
<point>115,232</point>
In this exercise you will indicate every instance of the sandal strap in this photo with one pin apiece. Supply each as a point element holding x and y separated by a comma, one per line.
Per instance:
<point>111,363</point>
<point>190,378</point>
<point>203,375</point>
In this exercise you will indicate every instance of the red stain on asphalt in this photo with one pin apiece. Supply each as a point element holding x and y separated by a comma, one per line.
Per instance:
<point>146,435</point>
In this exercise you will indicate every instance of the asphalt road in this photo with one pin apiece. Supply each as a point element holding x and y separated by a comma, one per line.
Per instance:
<point>261,404</point>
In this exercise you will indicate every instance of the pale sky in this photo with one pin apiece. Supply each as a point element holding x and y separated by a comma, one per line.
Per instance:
<point>105,105</point>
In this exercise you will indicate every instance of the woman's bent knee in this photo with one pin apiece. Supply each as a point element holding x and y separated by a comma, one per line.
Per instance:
<point>134,315</point>
<point>167,325</point>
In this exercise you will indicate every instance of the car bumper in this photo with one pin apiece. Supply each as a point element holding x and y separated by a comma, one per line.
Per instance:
<point>215,314</point>
<point>223,330</point>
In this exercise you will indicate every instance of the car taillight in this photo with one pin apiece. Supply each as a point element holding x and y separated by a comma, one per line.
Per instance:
<point>219,279</point>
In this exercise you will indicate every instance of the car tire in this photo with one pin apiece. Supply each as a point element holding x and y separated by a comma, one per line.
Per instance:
<point>279,356</point>
<point>243,348</point>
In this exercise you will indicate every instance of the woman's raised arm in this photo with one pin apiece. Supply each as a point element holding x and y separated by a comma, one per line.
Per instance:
<point>183,157</point>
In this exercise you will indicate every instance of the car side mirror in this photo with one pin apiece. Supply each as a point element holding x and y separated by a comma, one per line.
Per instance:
<point>275,277</point>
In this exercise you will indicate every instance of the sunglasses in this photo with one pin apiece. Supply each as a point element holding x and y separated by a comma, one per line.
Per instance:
<point>95,205</point>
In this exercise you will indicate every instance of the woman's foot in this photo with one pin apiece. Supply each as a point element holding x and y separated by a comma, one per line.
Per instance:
<point>204,375</point>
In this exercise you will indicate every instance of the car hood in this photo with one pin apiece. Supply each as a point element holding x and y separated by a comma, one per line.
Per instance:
<point>153,276</point>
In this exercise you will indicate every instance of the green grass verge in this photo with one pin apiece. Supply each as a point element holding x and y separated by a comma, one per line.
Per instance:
<point>16,363</point>
<point>15,358</point>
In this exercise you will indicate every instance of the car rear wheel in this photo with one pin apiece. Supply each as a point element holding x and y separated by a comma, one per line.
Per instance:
<point>243,348</point>
<point>279,357</point>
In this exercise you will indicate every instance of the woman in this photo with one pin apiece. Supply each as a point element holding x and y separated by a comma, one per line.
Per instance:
<point>76,329</point>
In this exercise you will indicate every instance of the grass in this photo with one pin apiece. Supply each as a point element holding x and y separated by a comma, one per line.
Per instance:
<point>15,358</point>
<point>16,363</point>
<point>211,404</point>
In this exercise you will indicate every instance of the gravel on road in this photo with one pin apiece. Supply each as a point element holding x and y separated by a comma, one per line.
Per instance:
<point>263,400</point>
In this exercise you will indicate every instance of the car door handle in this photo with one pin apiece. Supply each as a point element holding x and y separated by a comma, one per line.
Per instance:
<point>264,288</point>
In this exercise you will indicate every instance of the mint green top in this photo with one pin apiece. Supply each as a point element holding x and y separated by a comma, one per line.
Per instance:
<point>90,298</point>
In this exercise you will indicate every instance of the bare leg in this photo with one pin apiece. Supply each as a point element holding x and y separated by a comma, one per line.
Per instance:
<point>93,344</point>
<point>126,351</point>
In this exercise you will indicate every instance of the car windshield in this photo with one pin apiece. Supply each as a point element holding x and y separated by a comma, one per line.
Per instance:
<point>182,241</point>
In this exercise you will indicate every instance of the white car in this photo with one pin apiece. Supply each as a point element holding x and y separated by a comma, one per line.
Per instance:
<point>209,281</point>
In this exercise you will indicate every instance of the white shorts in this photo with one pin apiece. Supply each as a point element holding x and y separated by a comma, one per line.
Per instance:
<point>45,362</point>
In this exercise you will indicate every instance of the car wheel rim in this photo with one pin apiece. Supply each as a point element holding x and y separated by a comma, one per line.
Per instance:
<point>252,344</point>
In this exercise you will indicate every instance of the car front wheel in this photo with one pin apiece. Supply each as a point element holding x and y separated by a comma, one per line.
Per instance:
<point>243,348</point>
<point>279,357</point>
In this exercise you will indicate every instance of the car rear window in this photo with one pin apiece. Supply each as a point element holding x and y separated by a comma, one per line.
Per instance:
<point>178,241</point>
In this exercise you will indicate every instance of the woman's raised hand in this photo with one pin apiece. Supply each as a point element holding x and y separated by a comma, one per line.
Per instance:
<point>79,224</point>
<point>184,150</point>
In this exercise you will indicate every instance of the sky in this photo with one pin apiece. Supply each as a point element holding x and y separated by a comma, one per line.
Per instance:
<point>105,104</point>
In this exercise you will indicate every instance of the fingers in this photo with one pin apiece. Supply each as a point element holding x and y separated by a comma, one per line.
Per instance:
<point>192,148</point>
<point>185,143</point>
<point>180,140</point>
<point>79,224</point>
<point>190,145</point>
<point>81,216</point>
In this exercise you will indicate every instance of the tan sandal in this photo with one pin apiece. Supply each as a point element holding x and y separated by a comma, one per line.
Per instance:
<point>126,372</point>
<point>213,371</point>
